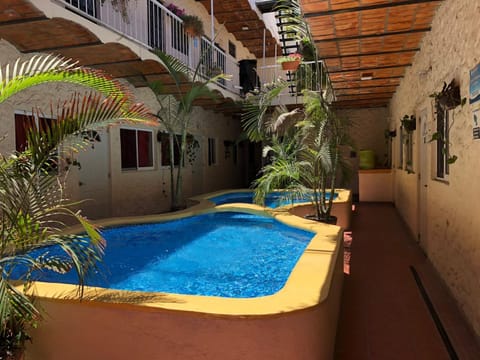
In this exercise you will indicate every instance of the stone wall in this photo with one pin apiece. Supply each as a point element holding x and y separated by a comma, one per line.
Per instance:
<point>450,234</point>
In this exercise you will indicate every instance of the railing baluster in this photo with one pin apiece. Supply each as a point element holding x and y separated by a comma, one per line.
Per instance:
<point>160,29</point>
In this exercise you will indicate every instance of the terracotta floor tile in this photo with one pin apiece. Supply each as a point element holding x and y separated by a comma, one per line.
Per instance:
<point>383,314</point>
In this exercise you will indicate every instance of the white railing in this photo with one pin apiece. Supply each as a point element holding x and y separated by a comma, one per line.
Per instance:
<point>151,24</point>
<point>303,78</point>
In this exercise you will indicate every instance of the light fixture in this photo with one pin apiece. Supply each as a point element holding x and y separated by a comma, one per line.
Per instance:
<point>245,28</point>
<point>366,76</point>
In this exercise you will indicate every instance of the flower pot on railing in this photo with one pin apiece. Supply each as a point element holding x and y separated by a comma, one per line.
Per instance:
<point>192,25</point>
<point>291,65</point>
<point>291,62</point>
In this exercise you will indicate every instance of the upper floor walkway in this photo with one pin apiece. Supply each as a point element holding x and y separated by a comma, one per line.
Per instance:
<point>119,41</point>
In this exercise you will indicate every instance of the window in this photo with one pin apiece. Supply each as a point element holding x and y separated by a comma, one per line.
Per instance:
<point>400,152</point>
<point>232,49</point>
<point>23,123</point>
<point>165,141</point>
<point>409,151</point>
<point>212,152</point>
<point>136,148</point>
<point>442,142</point>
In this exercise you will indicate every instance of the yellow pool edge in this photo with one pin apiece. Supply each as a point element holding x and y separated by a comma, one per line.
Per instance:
<point>307,286</point>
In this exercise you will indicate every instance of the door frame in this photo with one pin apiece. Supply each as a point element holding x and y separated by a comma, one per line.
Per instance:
<point>422,178</point>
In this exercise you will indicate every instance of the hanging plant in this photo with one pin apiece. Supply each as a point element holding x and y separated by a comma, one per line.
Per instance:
<point>193,25</point>
<point>449,98</point>
<point>409,123</point>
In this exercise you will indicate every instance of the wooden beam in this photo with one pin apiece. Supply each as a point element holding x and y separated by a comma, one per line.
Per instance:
<point>369,68</point>
<point>368,7</point>
<point>371,54</point>
<point>366,36</point>
<point>359,80</point>
<point>367,94</point>
<point>363,87</point>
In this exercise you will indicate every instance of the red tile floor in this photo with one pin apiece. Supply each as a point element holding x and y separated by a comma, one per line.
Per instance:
<point>383,314</point>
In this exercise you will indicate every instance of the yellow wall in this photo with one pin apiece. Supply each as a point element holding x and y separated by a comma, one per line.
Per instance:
<point>451,241</point>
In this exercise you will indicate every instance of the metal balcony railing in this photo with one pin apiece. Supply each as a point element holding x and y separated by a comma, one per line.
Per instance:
<point>305,77</point>
<point>151,24</point>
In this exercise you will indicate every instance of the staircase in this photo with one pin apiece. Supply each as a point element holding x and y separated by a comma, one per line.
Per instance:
<point>289,41</point>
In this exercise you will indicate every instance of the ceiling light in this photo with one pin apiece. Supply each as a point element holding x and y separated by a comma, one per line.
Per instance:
<point>245,28</point>
<point>366,76</point>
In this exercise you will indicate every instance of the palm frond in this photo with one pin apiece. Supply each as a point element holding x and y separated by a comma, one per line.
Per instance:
<point>256,110</point>
<point>75,116</point>
<point>176,68</point>
<point>42,69</point>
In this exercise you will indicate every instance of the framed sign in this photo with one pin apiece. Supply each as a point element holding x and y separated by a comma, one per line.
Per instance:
<point>475,99</point>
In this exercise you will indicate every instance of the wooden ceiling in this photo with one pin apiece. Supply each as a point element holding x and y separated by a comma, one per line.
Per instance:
<point>29,30</point>
<point>366,39</point>
<point>245,24</point>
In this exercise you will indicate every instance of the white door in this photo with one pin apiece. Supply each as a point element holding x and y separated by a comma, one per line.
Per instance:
<point>94,176</point>
<point>423,177</point>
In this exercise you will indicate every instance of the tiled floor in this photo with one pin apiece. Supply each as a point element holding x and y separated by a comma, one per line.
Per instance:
<point>383,314</point>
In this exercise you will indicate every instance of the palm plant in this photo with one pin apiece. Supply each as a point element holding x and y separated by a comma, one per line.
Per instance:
<point>176,113</point>
<point>33,208</point>
<point>303,147</point>
<point>324,136</point>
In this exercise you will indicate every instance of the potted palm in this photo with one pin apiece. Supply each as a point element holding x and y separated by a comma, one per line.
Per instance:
<point>290,62</point>
<point>303,151</point>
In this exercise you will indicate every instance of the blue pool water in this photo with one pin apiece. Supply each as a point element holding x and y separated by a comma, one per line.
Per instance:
<point>272,200</point>
<point>221,254</point>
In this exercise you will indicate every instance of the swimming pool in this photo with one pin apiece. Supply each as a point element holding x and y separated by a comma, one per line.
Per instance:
<point>229,254</point>
<point>114,324</point>
<point>272,200</point>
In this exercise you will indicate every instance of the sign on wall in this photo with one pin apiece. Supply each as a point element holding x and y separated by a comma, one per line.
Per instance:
<point>475,99</point>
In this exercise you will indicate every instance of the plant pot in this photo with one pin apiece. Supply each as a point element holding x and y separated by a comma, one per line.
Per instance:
<point>449,101</point>
<point>291,65</point>
<point>190,30</point>
<point>410,126</point>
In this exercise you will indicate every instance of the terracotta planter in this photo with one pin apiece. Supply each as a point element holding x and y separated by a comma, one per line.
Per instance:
<point>291,65</point>
<point>189,30</point>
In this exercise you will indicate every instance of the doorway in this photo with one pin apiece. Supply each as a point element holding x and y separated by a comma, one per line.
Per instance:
<point>94,176</point>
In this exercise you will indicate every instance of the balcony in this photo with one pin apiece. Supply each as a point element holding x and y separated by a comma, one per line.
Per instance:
<point>303,78</point>
<point>152,25</point>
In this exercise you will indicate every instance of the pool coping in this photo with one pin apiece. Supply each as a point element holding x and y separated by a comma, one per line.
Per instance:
<point>343,195</point>
<point>307,286</point>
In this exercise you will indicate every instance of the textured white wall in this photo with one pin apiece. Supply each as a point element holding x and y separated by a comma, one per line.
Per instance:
<point>449,51</point>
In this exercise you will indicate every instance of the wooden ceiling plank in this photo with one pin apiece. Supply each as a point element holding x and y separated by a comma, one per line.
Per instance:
<point>375,35</point>
<point>373,68</point>
<point>91,55</point>
<point>47,35</point>
<point>367,7</point>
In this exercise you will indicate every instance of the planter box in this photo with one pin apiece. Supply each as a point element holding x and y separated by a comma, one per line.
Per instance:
<point>375,185</point>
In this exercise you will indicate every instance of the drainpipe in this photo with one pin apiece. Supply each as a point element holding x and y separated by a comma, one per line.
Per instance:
<point>264,70</point>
